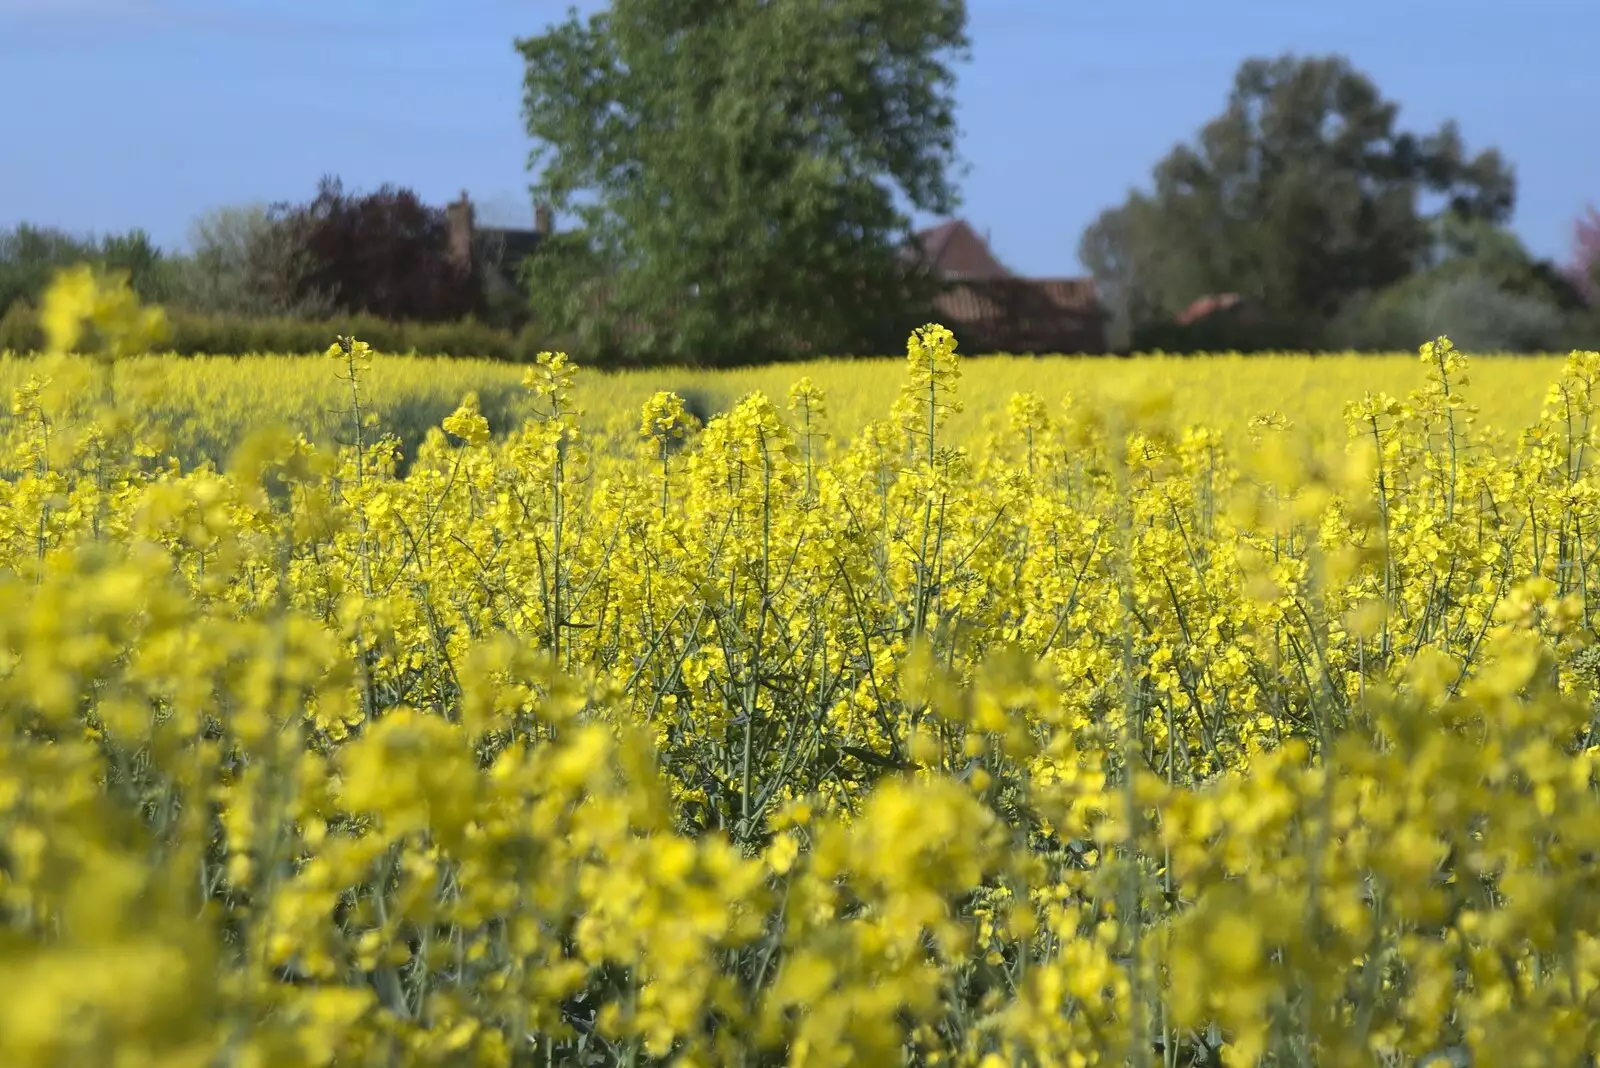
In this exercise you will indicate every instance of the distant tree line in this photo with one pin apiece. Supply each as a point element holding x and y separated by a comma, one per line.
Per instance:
<point>284,277</point>
<point>737,182</point>
<point>740,171</point>
<point>1336,229</point>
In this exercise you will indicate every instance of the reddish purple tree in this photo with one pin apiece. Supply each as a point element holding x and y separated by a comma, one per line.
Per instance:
<point>1585,266</point>
<point>383,253</point>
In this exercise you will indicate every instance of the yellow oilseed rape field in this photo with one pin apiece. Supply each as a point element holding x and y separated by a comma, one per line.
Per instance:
<point>208,404</point>
<point>1229,712</point>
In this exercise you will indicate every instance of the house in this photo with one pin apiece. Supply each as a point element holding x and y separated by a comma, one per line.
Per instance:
<point>991,309</point>
<point>494,253</point>
<point>957,253</point>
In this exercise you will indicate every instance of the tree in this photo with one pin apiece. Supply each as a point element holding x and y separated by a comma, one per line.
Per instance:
<point>241,263</point>
<point>31,255</point>
<point>1482,273</point>
<point>1477,310</point>
<point>1301,194</point>
<point>152,274</point>
<point>736,166</point>
<point>383,253</point>
<point>1585,267</point>
<point>1479,248</point>
<point>1123,250</point>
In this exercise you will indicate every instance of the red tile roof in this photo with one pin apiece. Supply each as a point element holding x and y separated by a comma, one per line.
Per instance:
<point>954,250</point>
<point>991,309</point>
<point>1210,304</point>
<point>1024,315</point>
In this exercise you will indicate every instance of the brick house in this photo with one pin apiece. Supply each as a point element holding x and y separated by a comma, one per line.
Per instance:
<point>991,309</point>
<point>493,253</point>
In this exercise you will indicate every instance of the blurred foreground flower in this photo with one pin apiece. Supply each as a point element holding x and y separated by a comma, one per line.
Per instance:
<point>83,306</point>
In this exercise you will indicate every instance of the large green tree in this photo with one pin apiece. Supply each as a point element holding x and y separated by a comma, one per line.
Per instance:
<point>1301,194</point>
<point>742,171</point>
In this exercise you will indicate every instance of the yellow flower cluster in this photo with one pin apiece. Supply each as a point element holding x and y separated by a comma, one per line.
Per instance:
<point>1096,737</point>
<point>83,302</point>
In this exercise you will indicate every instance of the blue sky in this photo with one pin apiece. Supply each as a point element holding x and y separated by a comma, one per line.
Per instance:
<point>126,113</point>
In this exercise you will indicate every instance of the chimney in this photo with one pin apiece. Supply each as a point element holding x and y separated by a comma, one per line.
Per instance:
<point>458,229</point>
<point>541,219</point>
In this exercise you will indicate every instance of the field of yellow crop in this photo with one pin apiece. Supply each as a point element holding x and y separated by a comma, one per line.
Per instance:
<point>1150,729</point>
<point>209,403</point>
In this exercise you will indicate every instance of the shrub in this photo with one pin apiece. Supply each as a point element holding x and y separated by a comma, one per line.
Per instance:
<point>1241,329</point>
<point>1475,309</point>
<point>1488,319</point>
<point>19,329</point>
<point>192,335</point>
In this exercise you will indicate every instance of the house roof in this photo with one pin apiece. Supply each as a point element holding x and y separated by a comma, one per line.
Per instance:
<point>954,249</point>
<point>1025,314</point>
<point>1208,305</point>
<point>984,298</point>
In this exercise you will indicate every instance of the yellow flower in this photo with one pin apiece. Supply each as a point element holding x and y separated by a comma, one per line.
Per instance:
<point>467,423</point>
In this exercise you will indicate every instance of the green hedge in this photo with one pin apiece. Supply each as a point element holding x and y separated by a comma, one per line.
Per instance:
<point>221,335</point>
